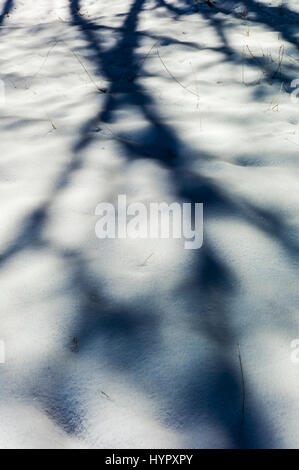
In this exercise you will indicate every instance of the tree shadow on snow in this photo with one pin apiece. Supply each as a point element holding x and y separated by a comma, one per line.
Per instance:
<point>119,334</point>
<point>220,386</point>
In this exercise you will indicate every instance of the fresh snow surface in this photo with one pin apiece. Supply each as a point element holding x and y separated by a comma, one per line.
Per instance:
<point>161,100</point>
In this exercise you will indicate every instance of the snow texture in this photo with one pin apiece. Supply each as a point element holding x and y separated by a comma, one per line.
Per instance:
<point>134,343</point>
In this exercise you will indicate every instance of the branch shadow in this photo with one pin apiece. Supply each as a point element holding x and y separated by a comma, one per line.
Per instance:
<point>8,5</point>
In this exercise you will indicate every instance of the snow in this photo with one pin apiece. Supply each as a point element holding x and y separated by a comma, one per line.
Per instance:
<point>134,343</point>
